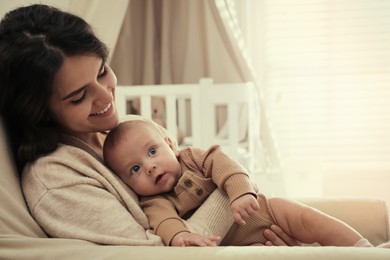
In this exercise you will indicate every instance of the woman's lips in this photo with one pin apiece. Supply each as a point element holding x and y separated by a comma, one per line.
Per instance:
<point>103,111</point>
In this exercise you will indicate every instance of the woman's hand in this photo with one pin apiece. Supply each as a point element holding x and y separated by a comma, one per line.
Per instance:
<point>277,237</point>
<point>193,239</point>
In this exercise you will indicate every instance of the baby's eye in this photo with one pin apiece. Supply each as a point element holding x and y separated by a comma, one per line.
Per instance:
<point>152,151</point>
<point>135,169</point>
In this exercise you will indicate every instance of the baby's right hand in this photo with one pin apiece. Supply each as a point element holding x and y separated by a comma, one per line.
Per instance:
<point>243,207</point>
<point>193,239</point>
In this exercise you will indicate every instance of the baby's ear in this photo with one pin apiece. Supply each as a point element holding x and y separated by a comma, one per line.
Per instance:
<point>172,144</point>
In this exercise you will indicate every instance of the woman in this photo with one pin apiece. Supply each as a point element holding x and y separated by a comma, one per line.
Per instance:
<point>57,100</point>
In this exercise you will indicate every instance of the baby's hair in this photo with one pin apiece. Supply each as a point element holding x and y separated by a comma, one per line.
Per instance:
<point>117,134</point>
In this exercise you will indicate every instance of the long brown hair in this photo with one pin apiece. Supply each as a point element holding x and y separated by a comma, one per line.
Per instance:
<point>34,40</point>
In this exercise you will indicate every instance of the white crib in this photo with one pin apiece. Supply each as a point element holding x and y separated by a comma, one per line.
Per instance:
<point>192,110</point>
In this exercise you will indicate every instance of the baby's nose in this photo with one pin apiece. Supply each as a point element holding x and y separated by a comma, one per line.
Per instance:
<point>151,169</point>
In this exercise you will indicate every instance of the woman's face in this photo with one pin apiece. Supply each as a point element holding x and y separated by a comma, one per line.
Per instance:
<point>83,97</point>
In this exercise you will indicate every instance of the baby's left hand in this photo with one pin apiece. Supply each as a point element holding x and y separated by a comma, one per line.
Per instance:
<point>243,207</point>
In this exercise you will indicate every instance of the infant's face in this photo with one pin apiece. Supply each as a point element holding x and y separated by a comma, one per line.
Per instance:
<point>147,162</point>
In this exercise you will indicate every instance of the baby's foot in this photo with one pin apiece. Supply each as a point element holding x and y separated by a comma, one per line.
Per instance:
<point>385,245</point>
<point>363,243</point>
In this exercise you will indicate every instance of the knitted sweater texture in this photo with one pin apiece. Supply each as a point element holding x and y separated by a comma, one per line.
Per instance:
<point>72,194</point>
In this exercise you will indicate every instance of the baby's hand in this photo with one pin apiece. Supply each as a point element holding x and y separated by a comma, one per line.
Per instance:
<point>193,239</point>
<point>243,207</point>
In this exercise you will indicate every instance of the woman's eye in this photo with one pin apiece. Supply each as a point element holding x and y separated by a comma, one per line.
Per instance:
<point>102,72</point>
<point>79,100</point>
<point>152,151</point>
<point>135,169</point>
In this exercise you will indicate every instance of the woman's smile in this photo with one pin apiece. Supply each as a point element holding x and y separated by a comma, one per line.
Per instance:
<point>104,111</point>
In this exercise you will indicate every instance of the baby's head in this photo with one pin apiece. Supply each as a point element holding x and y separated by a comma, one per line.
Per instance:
<point>143,155</point>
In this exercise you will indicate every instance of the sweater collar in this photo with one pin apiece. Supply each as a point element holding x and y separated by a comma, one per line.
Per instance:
<point>78,143</point>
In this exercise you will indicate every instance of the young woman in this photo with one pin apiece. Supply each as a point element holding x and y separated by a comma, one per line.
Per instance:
<point>57,102</point>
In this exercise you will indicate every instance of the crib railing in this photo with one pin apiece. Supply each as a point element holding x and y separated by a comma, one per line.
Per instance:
<point>175,102</point>
<point>191,108</point>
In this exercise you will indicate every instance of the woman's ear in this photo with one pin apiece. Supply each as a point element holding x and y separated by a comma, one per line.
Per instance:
<point>172,144</point>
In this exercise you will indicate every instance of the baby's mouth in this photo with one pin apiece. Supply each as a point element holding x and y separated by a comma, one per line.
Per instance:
<point>158,178</point>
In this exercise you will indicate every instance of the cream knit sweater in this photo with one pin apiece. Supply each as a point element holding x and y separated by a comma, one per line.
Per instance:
<point>72,194</point>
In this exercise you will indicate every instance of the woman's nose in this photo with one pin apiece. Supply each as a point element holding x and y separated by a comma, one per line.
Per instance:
<point>105,95</point>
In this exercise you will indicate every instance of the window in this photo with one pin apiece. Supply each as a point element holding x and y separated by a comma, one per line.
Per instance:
<point>324,70</point>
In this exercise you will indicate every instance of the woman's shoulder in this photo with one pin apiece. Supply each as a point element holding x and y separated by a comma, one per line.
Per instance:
<point>66,167</point>
<point>66,155</point>
<point>65,160</point>
<point>54,171</point>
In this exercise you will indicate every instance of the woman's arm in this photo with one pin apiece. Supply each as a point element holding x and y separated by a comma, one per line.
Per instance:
<point>89,213</point>
<point>214,217</point>
<point>72,195</point>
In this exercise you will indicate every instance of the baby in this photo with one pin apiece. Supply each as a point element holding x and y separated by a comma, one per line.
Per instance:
<point>172,183</point>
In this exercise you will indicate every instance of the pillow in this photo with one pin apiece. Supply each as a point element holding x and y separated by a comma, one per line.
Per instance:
<point>15,218</point>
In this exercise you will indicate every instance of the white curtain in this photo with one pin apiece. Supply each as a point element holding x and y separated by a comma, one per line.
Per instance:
<point>106,17</point>
<point>174,41</point>
<point>227,12</point>
<point>324,68</point>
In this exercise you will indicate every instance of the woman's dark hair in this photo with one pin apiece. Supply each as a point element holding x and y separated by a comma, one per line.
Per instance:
<point>34,40</point>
